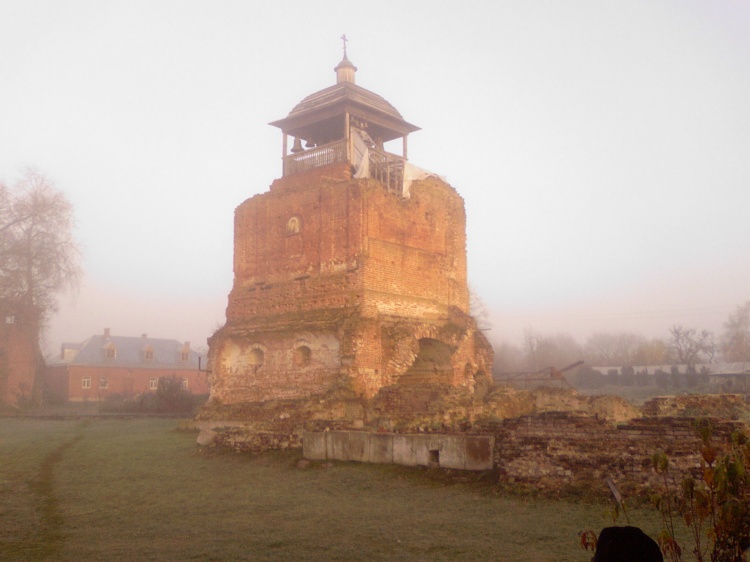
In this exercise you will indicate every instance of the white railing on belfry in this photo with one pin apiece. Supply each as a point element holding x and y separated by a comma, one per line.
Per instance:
<point>317,157</point>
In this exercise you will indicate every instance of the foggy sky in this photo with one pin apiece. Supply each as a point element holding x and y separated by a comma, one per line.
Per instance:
<point>602,148</point>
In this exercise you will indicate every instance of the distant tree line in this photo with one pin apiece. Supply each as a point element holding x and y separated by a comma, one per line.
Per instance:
<point>622,356</point>
<point>672,377</point>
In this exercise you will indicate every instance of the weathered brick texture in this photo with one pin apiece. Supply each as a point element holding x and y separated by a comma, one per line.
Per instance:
<point>548,440</point>
<point>18,358</point>
<point>371,284</point>
<point>558,450</point>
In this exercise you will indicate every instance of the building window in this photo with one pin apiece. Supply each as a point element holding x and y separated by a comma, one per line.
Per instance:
<point>184,384</point>
<point>153,384</point>
<point>148,355</point>
<point>184,356</point>
<point>86,382</point>
<point>10,319</point>
<point>111,353</point>
<point>103,382</point>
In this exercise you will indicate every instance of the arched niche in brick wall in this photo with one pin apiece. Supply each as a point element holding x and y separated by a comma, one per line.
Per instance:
<point>302,356</point>
<point>256,357</point>
<point>239,358</point>
<point>432,365</point>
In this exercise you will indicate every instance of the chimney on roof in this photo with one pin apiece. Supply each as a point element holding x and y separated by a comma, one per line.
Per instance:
<point>187,345</point>
<point>106,332</point>
<point>144,336</point>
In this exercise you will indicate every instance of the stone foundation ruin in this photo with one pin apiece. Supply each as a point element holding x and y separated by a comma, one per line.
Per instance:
<point>550,441</point>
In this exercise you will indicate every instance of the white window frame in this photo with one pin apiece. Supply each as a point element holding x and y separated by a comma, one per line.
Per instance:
<point>86,382</point>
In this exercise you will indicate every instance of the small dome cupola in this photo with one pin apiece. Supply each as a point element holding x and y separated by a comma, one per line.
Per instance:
<point>345,69</point>
<point>345,123</point>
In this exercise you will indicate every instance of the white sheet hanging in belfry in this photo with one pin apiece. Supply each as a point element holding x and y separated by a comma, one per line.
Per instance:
<point>361,161</point>
<point>360,153</point>
<point>412,173</point>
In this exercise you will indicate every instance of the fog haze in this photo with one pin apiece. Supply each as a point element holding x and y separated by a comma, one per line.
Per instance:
<point>601,148</point>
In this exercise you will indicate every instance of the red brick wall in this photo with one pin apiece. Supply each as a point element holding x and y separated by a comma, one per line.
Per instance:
<point>416,251</point>
<point>17,360</point>
<point>363,259</point>
<point>279,376</point>
<point>560,450</point>
<point>66,382</point>
<point>331,173</point>
<point>403,256</point>
<point>316,267</point>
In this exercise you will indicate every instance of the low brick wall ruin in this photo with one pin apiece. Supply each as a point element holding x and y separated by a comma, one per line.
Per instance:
<point>549,453</point>
<point>559,451</point>
<point>543,450</point>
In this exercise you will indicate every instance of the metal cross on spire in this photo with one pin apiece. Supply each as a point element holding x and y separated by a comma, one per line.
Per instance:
<point>344,39</point>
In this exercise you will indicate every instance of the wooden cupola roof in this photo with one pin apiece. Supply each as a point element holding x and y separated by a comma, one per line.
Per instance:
<point>321,117</point>
<point>346,123</point>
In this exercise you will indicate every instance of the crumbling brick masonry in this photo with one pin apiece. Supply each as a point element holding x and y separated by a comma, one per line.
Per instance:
<point>339,282</point>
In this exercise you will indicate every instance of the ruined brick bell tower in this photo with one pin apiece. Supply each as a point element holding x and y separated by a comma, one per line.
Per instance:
<point>350,271</point>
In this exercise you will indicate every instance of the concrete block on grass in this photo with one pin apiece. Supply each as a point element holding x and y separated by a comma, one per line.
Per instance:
<point>404,450</point>
<point>452,452</point>
<point>347,446</point>
<point>314,446</point>
<point>380,448</point>
<point>425,447</point>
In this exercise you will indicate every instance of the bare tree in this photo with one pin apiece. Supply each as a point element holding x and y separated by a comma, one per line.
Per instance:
<point>39,258</point>
<point>735,340</point>
<point>508,358</point>
<point>652,352</point>
<point>608,349</point>
<point>549,350</point>
<point>479,311</point>
<point>531,344</point>
<point>688,346</point>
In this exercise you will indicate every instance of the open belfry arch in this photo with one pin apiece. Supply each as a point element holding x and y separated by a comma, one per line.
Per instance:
<point>346,123</point>
<point>350,271</point>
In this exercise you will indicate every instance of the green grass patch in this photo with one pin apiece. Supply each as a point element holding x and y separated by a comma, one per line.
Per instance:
<point>139,490</point>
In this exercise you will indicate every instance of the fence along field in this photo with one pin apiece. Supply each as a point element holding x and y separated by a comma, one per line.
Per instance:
<point>130,489</point>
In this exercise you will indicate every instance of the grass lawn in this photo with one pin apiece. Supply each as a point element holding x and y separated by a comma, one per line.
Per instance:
<point>136,489</point>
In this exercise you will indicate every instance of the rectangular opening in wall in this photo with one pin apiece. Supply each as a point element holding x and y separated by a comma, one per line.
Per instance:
<point>434,459</point>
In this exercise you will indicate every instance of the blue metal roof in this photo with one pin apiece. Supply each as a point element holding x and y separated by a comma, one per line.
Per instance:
<point>141,352</point>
